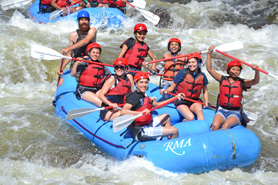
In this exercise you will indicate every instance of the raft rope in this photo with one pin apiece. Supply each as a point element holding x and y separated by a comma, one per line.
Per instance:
<point>118,146</point>
<point>234,154</point>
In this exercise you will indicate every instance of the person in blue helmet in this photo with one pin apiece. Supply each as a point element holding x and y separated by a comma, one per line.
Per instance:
<point>80,38</point>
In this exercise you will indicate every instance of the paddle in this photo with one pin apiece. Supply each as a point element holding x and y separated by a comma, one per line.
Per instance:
<point>224,47</point>
<point>77,113</point>
<point>59,77</point>
<point>246,64</point>
<point>46,53</point>
<point>139,3</point>
<point>124,121</point>
<point>9,4</point>
<point>251,116</point>
<point>57,13</point>
<point>148,15</point>
<point>228,47</point>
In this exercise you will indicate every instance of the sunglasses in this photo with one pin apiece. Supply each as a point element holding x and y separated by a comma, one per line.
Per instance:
<point>119,67</point>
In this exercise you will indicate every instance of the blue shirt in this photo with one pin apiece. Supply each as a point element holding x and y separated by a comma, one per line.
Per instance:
<point>180,74</point>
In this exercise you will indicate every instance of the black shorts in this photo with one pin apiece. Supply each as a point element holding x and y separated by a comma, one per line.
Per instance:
<point>103,114</point>
<point>185,102</point>
<point>80,90</point>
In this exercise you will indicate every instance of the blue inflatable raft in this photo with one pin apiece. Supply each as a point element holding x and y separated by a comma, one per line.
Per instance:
<point>197,150</point>
<point>106,17</point>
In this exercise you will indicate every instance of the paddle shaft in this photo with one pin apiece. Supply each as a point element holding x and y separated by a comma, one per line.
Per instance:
<point>61,70</point>
<point>98,63</point>
<point>241,61</point>
<point>166,59</point>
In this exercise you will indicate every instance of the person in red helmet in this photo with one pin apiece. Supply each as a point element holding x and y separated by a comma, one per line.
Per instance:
<point>145,127</point>
<point>79,39</point>
<point>90,75</point>
<point>135,50</point>
<point>115,89</point>
<point>190,81</point>
<point>229,111</point>
<point>171,67</point>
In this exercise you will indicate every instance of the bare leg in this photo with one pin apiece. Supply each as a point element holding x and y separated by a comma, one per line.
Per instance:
<point>186,112</point>
<point>112,114</point>
<point>92,97</point>
<point>218,120</point>
<point>168,129</point>
<point>231,120</point>
<point>197,108</point>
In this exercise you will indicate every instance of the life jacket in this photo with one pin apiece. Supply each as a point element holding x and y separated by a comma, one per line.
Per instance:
<point>122,87</point>
<point>103,1</point>
<point>146,119</point>
<point>230,95</point>
<point>172,67</point>
<point>80,52</point>
<point>46,2</point>
<point>191,87</point>
<point>117,3</point>
<point>136,55</point>
<point>92,75</point>
<point>62,3</point>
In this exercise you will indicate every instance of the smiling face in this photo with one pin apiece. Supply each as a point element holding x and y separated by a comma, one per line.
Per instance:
<point>234,71</point>
<point>94,54</point>
<point>142,85</point>
<point>193,64</point>
<point>174,47</point>
<point>120,69</point>
<point>140,35</point>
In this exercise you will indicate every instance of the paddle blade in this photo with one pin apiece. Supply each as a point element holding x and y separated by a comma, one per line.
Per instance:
<point>45,53</point>
<point>55,14</point>
<point>252,117</point>
<point>230,46</point>
<point>124,121</point>
<point>139,3</point>
<point>149,16</point>
<point>77,113</point>
<point>9,4</point>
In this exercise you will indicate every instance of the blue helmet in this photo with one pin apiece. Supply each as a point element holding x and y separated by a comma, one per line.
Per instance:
<point>83,14</point>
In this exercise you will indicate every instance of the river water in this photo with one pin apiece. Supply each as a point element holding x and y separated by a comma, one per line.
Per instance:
<point>37,147</point>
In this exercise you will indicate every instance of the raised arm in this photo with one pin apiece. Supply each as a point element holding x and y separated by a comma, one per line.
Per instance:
<point>211,71</point>
<point>249,83</point>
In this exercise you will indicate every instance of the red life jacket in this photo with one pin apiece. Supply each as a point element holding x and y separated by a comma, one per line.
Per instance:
<point>122,87</point>
<point>46,2</point>
<point>191,87</point>
<point>172,67</point>
<point>230,95</point>
<point>117,3</point>
<point>62,3</point>
<point>137,54</point>
<point>103,1</point>
<point>92,76</point>
<point>146,119</point>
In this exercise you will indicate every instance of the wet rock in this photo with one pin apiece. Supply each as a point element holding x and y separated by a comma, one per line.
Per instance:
<point>166,21</point>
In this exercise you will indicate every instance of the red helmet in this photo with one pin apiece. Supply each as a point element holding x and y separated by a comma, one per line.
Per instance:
<point>93,45</point>
<point>140,27</point>
<point>234,63</point>
<point>121,61</point>
<point>174,40</point>
<point>195,55</point>
<point>140,76</point>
